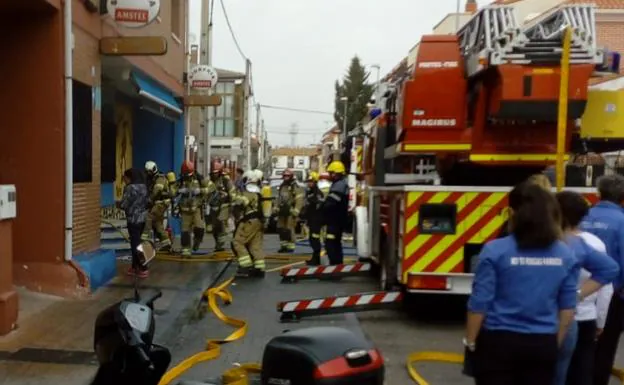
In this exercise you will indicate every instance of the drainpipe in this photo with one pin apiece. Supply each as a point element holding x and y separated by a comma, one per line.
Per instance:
<point>69,129</point>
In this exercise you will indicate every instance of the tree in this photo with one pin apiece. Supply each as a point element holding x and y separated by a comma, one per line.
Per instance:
<point>358,91</point>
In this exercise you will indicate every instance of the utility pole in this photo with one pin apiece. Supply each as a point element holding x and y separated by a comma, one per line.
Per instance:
<point>206,59</point>
<point>293,134</point>
<point>257,131</point>
<point>246,129</point>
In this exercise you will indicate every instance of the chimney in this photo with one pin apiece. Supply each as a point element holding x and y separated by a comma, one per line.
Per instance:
<point>194,53</point>
<point>471,6</point>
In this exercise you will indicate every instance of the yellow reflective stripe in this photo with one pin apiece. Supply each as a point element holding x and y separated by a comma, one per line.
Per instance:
<point>314,235</point>
<point>245,261</point>
<point>437,147</point>
<point>515,157</point>
<point>259,264</point>
<point>331,236</point>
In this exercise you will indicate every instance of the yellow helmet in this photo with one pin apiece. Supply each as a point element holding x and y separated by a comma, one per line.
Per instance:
<point>171,177</point>
<point>313,176</point>
<point>337,167</point>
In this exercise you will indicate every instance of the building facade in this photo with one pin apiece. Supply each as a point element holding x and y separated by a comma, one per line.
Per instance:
<point>124,111</point>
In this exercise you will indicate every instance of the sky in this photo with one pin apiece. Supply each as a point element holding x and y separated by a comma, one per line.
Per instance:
<point>299,48</point>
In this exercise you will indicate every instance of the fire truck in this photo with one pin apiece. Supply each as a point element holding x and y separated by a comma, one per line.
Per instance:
<point>478,112</point>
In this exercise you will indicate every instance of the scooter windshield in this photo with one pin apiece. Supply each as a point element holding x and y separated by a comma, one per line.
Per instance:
<point>138,316</point>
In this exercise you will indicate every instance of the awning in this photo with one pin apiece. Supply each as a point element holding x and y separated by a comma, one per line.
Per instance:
<point>155,94</point>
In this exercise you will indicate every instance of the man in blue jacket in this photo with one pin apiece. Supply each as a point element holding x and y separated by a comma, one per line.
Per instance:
<point>606,221</point>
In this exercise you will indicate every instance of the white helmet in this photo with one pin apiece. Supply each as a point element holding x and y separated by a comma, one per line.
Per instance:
<point>248,175</point>
<point>259,174</point>
<point>151,167</point>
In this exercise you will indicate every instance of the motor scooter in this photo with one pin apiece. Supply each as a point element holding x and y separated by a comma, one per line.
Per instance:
<point>124,334</point>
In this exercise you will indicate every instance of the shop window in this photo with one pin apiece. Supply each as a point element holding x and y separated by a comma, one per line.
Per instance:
<point>176,19</point>
<point>83,132</point>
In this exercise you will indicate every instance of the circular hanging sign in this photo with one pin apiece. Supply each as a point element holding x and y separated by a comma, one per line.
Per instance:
<point>203,77</point>
<point>133,13</point>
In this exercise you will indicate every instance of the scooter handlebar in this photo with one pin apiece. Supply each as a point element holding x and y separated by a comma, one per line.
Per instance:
<point>151,298</point>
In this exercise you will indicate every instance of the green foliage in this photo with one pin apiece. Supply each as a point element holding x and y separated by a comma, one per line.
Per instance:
<point>356,88</point>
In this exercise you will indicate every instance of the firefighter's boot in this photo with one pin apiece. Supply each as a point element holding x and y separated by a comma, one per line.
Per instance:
<point>259,268</point>
<point>185,240</point>
<point>244,272</point>
<point>198,237</point>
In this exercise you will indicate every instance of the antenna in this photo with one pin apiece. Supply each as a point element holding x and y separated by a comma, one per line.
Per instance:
<point>294,130</point>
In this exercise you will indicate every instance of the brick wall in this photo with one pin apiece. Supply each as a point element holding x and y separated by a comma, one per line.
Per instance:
<point>87,195</point>
<point>610,35</point>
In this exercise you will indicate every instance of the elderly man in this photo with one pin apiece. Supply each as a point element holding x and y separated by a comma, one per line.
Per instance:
<point>606,221</point>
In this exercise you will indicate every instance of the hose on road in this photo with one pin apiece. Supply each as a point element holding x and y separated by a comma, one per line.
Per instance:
<point>454,358</point>
<point>238,375</point>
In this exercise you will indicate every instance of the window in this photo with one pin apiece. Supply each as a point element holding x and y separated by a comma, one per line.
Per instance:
<point>83,132</point>
<point>222,128</point>
<point>176,19</point>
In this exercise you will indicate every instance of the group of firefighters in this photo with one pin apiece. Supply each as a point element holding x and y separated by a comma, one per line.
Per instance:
<point>322,205</point>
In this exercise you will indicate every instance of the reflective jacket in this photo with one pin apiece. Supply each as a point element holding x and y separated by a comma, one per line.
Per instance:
<point>192,193</point>
<point>158,189</point>
<point>336,203</point>
<point>290,199</point>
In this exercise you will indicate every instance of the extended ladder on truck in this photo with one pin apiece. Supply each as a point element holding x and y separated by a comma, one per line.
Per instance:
<point>494,37</point>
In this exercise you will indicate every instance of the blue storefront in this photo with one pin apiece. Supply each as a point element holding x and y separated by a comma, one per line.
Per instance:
<point>143,123</point>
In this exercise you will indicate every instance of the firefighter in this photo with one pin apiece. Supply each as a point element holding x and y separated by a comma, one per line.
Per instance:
<point>289,205</point>
<point>192,194</point>
<point>219,203</point>
<point>247,241</point>
<point>312,215</point>
<point>159,201</point>
<point>335,210</point>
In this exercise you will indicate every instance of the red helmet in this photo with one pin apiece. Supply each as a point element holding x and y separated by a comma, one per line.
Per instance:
<point>188,168</point>
<point>216,167</point>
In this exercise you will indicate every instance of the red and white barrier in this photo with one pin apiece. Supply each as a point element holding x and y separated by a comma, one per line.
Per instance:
<point>294,310</point>
<point>316,272</point>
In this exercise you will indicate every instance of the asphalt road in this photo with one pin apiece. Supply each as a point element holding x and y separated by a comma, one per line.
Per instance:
<point>429,324</point>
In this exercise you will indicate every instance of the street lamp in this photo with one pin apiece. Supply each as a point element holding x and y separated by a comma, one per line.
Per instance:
<point>377,85</point>
<point>344,118</point>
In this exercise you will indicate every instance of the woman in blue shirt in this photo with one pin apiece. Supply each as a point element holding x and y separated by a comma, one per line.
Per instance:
<point>524,295</point>
<point>598,269</point>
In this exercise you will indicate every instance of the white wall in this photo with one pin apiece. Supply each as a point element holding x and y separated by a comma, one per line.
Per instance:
<point>279,161</point>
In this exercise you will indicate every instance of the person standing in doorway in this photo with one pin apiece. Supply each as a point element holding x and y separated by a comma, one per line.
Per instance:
<point>134,203</point>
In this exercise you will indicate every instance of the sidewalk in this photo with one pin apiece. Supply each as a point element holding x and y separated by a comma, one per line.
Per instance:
<point>54,340</point>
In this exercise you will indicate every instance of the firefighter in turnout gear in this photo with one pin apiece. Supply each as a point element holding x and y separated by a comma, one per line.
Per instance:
<point>159,201</point>
<point>247,241</point>
<point>312,215</point>
<point>289,204</point>
<point>192,193</point>
<point>335,210</point>
<point>219,202</point>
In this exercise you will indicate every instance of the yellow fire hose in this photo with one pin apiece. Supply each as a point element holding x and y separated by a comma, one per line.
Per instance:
<point>239,375</point>
<point>454,358</point>
<point>235,376</point>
